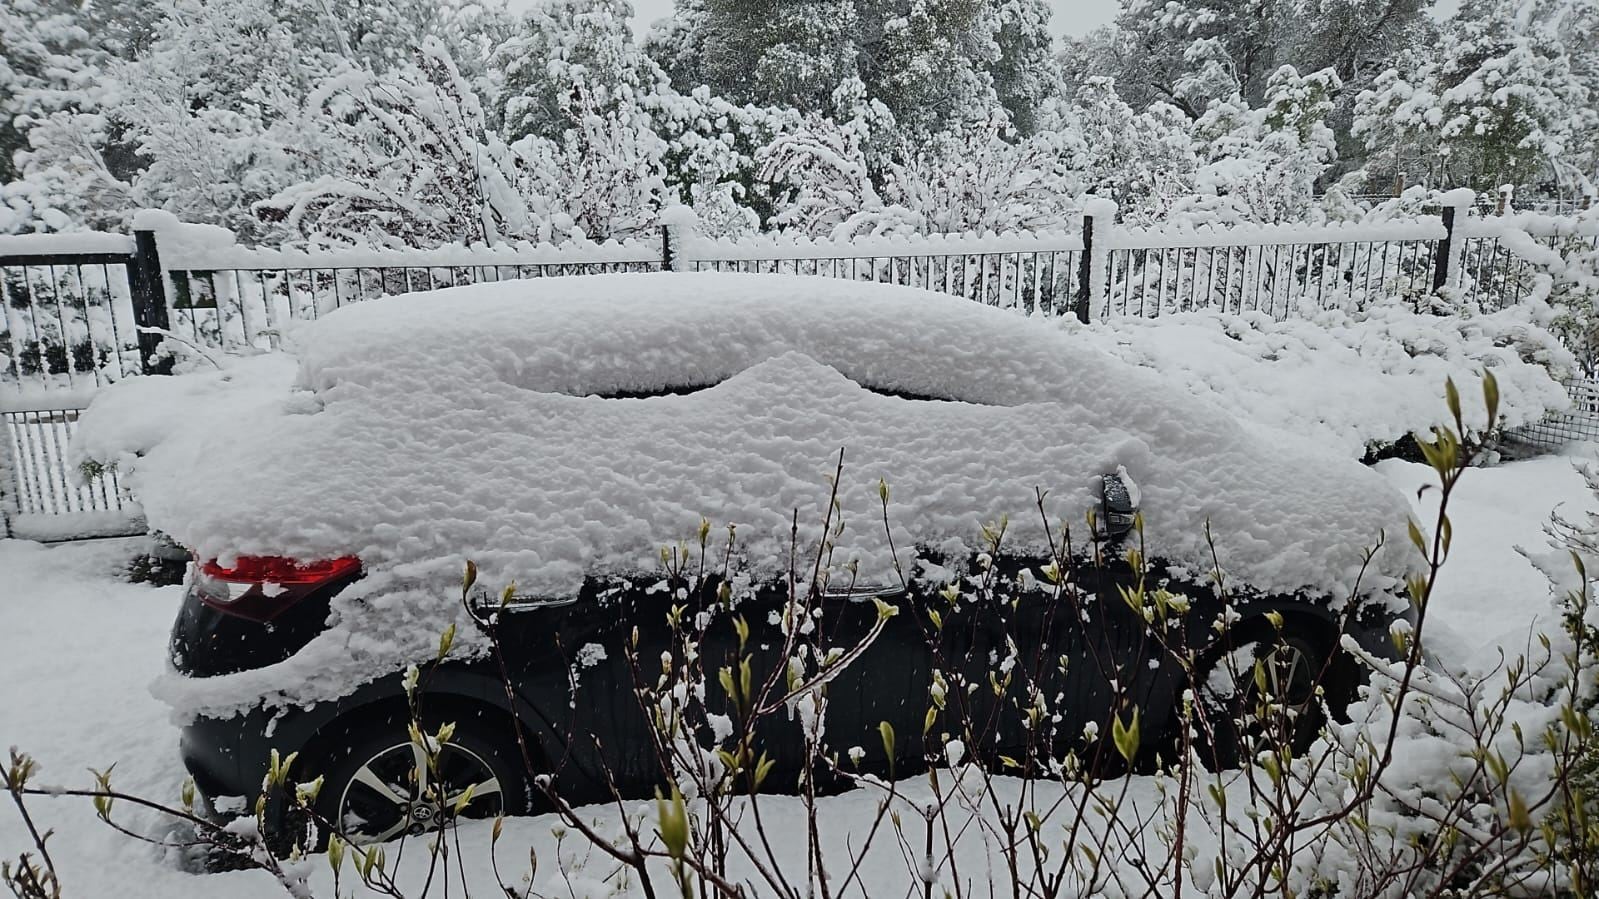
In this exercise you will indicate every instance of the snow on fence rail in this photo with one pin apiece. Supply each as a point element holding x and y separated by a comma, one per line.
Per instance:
<point>1276,269</point>
<point>83,310</point>
<point>227,297</point>
<point>1035,272</point>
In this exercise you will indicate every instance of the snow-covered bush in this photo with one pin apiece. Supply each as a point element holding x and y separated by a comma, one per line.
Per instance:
<point>1571,563</point>
<point>986,179</point>
<point>1143,160</point>
<point>1262,165</point>
<point>1574,293</point>
<point>416,164</point>
<point>823,182</point>
<point>1349,381</point>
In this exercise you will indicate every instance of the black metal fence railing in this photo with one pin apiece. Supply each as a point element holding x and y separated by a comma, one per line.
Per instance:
<point>1036,281</point>
<point>1278,279</point>
<point>234,307</point>
<point>1494,275</point>
<point>44,484</point>
<point>68,320</point>
<point>1580,422</point>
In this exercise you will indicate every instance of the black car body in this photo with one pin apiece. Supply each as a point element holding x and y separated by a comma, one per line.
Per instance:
<point>578,709</point>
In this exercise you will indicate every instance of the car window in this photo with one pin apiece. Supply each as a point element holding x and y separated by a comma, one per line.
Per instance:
<point>652,394</point>
<point>696,388</point>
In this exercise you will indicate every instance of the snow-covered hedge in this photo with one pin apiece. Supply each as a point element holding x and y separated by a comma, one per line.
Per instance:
<point>1348,380</point>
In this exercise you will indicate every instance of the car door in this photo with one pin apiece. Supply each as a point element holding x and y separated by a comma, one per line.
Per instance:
<point>1017,653</point>
<point>889,683</point>
<point>1051,666</point>
<point>882,676</point>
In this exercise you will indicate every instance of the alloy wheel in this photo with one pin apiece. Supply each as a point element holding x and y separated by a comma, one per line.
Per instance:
<point>1290,676</point>
<point>398,792</point>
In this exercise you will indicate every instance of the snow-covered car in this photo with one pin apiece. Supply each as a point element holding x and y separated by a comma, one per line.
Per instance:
<point>560,432</point>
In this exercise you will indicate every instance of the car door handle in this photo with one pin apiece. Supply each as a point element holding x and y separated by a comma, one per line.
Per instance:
<point>524,602</point>
<point>863,592</point>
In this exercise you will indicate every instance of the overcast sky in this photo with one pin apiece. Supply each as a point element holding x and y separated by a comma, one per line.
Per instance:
<point>1075,17</point>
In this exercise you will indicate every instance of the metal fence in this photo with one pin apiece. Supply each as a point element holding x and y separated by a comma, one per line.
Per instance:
<point>1036,273</point>
<point>1279,279</point>
<point>70,326</point>
<point>39,439</point>
<point>236,307</point>
<point>1580,422</point>
<point>80,317</point>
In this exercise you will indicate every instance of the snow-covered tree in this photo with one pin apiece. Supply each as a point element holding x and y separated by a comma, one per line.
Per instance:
<point>983,178</point>
<point>191,105</point>
<point>821,176</point>
<point>606,175</point>
<point>1142,160</point>
<point>62,162</point>
<point>1508,97</point>
<point>1191,52</point>
<point>1261,165</point>
<point>417,164</point>
<point>1026,75</point>
<point>711,157</point>
<point>563,50</point>
<point>210,108</point>
<point>933,64</point>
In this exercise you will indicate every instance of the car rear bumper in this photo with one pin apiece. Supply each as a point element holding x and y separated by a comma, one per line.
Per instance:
<point>227,757</point>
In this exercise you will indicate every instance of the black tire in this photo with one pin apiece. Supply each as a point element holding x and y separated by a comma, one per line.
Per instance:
<point>370,784</point>
<point>1303,672</point>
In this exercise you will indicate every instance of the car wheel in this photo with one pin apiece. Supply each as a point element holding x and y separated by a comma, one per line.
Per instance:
<point>1292,667</point>
<point>382,787</point>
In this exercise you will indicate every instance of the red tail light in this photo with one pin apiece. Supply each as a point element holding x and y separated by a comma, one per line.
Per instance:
<point>262,587</point>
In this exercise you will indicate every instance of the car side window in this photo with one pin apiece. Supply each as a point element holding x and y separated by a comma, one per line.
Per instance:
<point>912,395</point>
<point>686,389</point>
<point>653,393</point>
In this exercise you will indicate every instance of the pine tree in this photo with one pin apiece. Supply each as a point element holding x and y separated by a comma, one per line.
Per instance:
<point>1026,74</point>
<point>934,65</point>
<point>1504,99</point>
<point>563,50</point>
<point>1190,52</point>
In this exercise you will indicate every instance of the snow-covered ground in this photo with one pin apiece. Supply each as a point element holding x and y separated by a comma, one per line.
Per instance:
<point>81,647</point>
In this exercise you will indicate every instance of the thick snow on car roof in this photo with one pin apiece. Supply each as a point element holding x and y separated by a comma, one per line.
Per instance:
<point>480,422</point>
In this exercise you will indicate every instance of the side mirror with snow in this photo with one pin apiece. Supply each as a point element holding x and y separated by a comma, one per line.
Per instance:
<point>1118,504</point>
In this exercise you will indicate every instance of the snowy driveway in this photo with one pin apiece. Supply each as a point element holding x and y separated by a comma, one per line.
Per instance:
<point>80,646</point>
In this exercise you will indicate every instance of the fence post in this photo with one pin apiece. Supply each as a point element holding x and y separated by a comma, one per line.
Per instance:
<point>668,257</point>
<point>1457,204</point>
<point>1098,215</point>
<point>147,283</point>
<point>676,223</point>
<point>1085,270</point>
<point>10,480</point>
